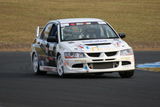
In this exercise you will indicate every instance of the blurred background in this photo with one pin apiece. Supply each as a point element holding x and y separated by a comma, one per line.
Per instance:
<point>139,19</point>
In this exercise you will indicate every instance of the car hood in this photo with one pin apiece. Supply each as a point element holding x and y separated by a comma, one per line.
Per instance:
<point>99,45</point>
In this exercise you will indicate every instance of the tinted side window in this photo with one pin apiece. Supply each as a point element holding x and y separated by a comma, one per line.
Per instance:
<point>53,31</point>
<point>45,33</point>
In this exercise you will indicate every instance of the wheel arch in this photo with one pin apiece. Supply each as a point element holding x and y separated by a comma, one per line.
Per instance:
<point>32,55</point>
<point>34,52</point>
<point>58,54</point>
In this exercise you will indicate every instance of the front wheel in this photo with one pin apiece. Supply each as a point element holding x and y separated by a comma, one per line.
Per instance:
<point>60,66</point>
<point>35,64</point>
<point>126,74</point>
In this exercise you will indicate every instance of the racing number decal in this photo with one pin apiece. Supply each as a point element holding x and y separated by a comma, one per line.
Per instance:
<point>95,49</point>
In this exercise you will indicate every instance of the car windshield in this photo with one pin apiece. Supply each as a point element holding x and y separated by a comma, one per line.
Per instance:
<point>74,31</point>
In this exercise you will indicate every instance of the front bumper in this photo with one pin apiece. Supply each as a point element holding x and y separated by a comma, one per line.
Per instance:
<point>95,65</point>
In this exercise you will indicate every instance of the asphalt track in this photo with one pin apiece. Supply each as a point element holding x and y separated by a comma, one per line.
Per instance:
<point>19,87</point>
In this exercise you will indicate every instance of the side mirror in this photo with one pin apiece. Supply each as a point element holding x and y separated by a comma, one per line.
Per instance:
<point>122,35</point>
<point>52,39</point>
<point>38,30</point>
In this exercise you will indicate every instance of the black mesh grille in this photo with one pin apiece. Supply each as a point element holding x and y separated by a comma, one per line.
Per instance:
<point>104,65</point>
<point>111,53</point>
<point>93,54</point>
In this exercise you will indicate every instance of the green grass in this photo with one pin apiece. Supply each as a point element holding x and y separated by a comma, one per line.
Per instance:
<point>139,19</point>
<point>151,69</point>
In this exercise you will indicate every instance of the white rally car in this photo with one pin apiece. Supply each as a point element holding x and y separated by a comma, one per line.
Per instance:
<point>81,45</point>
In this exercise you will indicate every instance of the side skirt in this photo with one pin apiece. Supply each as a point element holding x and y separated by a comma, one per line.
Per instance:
<point>48,68</point>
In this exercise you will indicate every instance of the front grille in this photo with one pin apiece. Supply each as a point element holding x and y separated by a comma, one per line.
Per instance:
<point>93,54</point>
<point>103,65</point>
<point>111,53</point>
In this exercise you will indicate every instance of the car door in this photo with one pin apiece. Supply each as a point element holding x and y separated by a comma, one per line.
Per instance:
<point>51,45</point>
<point>47,49</point>
<point>42,43</point>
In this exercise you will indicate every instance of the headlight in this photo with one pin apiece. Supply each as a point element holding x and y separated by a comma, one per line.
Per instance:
<point>126,52</point>
<point>74,55</point>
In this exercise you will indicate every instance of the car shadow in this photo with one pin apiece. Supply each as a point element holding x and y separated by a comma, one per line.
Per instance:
<point>84,76</point>
<point>32,75</point>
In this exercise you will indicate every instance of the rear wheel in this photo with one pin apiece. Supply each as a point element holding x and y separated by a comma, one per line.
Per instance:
<point>35,65</point>
<point>60,66</point>
<point>126,74</point>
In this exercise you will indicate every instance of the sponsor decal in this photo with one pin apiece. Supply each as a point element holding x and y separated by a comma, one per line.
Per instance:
<point>98,48</point>
<point>66,63</point>
<point>85,68</point>
<point>51,58</point>
<point>95,49</point>
<point>117,44</point>
<point>46,68</point>
<point>87,47</point>
<point>80,61</point>
<point>81,46</point>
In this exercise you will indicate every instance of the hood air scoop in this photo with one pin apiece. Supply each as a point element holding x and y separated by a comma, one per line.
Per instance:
<point>98,44</point>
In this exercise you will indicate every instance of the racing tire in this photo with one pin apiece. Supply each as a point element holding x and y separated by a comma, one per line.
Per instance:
<point>126,74</point>
<point>60,66</point>
<point>35,65</point>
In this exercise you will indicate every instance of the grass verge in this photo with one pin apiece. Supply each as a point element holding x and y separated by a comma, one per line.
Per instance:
<point>151,69</point>
<point>139,19</point>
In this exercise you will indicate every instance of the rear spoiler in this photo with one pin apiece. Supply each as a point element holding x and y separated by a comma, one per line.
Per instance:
<point>38,30</point>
